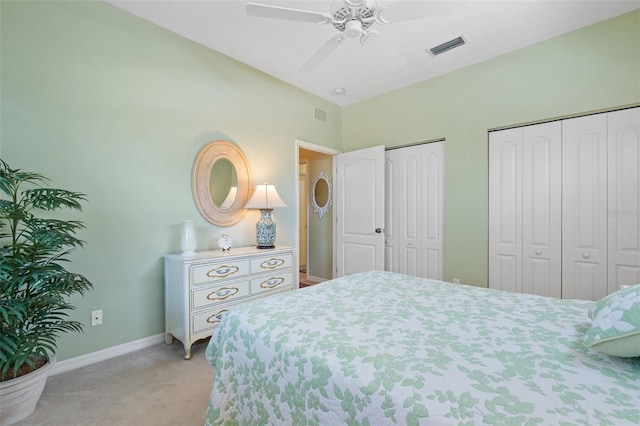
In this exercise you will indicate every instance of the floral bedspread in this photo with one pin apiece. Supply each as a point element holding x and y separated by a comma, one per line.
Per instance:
<point>384,348</point>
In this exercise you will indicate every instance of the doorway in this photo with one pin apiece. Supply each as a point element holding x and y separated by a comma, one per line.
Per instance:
<point>316,233</point>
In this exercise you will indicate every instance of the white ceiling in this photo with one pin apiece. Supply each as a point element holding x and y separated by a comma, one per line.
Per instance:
<point>280,47</point>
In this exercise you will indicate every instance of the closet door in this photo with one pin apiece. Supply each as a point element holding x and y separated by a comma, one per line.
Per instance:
<point>403,180</point>
<point>542,209</point>
<point>505,210</point>
<point>584,202</point>
<point>623,211</point>
<point>431,198</point>
<point>390,221</point>
<point>414,242</point>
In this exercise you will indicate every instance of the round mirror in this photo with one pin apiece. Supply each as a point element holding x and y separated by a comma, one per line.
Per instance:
<point>321,194</point>
<point>221,182</point>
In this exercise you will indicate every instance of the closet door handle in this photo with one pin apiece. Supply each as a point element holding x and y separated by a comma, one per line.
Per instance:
<point>378,230</point>
<point>538,252</point>
<point>586,255</point>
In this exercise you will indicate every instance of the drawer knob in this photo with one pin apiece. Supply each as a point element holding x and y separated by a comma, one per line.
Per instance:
<point>272,263</point>
<point>272,282</point>
<point>222,293</point>
<point>222,271</point>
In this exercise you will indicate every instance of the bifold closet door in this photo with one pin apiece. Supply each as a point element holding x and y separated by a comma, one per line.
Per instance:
<point>414,242</point>
<point>525,209</point>
<point>584,203</point>
<point>402,250</point>
<point>623,213</point>
<point>542,209</point>
<point>431,207</point>
<point>505,210</point>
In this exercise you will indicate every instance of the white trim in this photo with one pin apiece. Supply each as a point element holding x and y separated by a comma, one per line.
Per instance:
<point>318,148</point>
<point>315,279</point>
<point>104,354</point>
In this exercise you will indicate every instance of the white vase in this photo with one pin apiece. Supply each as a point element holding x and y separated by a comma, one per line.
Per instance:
<point>188,242</point>
<point>19,396</point>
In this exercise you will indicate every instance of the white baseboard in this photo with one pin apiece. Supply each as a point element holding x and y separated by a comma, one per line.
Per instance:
<point>104,354</point>
<point>315,279</point>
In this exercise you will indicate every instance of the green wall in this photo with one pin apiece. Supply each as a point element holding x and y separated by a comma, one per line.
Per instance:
<point>594,68</point>
<point>110,105</point>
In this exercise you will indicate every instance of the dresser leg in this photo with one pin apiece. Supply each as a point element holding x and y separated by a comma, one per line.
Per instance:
<point>168,338</point>
<point>187,349</point>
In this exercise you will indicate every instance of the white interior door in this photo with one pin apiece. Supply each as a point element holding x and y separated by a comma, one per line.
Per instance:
<point>402,203</point>
<point>542,209</point>
<point>391,202</point>
<point>584,201</point>
<point>624,198</point>
<point>505,210</point>
<point>431,209</point>
<point>359,204</point>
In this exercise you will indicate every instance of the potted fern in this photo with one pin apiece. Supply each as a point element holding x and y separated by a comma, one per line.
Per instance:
<point>34,284</point>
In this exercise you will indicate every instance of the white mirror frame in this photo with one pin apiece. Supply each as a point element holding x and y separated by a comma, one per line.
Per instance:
<point>201,182</point>
<point>321,210</point>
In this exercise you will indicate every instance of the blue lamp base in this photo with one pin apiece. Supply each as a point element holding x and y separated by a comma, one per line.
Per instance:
<point>266,230</point>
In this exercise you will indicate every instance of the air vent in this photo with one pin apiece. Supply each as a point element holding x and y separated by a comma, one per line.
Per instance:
<point>320,115</point>
<point>451,44</point>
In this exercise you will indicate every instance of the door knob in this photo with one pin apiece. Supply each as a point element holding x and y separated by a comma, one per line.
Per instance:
<point>378,230</point>
<point>538,252</point>
<point>586,255</point>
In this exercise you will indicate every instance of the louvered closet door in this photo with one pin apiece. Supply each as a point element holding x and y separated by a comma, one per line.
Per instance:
<point>542,209</point>
<point>505,210</point>
<point>624,198</point>
<point>584,202</point>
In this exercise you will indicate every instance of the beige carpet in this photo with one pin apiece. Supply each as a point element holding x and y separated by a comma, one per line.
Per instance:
<point>152,386</point>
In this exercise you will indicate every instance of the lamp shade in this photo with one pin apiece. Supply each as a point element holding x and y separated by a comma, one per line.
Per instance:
<point>265,197</point>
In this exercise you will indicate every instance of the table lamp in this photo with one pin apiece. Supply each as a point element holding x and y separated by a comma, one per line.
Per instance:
<point>265,198</point>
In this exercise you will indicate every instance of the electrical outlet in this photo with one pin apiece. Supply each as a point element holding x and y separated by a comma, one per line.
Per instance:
<point>96,317</point>
<point>456,281</point>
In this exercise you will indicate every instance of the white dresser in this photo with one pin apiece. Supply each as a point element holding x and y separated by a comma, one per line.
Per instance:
<point>199,289</point>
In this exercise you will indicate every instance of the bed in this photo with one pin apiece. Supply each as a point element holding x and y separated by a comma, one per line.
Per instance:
<point>384,348</point>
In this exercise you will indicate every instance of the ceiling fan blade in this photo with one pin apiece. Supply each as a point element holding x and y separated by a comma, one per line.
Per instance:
<point>408,10</point>
<point>321,54</point>
<point>266,11</point>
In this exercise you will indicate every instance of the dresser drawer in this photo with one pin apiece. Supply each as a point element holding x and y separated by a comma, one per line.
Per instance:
<point>207,319</point>
<point>271,263</point>
<point>219,271</point>
<point>271,281</point>
<point>219,293</point>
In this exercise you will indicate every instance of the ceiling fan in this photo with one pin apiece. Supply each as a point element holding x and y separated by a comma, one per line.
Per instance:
<point>352,18</point>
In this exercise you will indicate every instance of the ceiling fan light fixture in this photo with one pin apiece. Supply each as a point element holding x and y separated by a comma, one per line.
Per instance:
<point>353,28</point>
